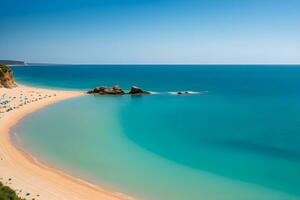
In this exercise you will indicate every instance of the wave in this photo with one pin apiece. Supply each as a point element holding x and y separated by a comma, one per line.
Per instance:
<point>151,92</point>
<point>188,92</point>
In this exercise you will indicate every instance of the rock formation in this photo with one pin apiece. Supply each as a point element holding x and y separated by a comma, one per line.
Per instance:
<point>137,91</point>
<point>183,92</point>
<point>6,77</point>
<point>115,90</point>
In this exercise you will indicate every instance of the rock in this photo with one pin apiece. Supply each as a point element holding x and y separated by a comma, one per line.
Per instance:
<point>6,77</point>
<point>137,91</point>
<point>183,92</point>
<point>115,90</point>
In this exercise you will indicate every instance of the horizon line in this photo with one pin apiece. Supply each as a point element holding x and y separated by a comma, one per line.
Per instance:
<point>160,63</point>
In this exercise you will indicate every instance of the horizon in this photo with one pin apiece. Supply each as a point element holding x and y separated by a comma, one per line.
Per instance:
<point>147,32</point>
<point>153,64</point>
<point>196,64</point>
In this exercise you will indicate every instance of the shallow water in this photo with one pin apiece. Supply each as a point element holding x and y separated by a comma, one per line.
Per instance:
<point>239,138</point>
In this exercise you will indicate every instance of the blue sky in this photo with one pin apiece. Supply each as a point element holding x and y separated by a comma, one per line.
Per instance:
<point>150,31</point>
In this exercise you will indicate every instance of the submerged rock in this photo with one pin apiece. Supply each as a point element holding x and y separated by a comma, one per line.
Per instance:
<point>183,92</point>
<point>137,91</point>
<point>115,90</point>
<point>6,77</point>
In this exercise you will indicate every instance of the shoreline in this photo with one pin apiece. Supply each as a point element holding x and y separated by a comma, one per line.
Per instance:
<point>28,176</point>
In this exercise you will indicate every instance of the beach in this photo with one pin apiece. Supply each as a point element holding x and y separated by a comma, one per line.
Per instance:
<point>22,172</point>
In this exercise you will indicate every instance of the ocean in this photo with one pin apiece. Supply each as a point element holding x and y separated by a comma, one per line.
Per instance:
<point>236,137</point>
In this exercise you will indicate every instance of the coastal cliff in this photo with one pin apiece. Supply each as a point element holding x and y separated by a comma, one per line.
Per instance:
<point>6,77</point>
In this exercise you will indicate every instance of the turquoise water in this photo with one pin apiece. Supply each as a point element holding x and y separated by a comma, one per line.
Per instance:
<point>239,138</point>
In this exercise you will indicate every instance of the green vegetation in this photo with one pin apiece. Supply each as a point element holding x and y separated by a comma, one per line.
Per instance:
<point>6,193</point>
<point>3,69</point>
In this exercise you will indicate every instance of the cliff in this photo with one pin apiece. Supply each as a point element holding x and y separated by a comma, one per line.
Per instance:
<point>6,77</point>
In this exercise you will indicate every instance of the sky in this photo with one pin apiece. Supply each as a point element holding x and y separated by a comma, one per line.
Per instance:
<point>151,31</point>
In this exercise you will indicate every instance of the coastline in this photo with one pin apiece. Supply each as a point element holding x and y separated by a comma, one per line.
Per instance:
<point>28,176</point>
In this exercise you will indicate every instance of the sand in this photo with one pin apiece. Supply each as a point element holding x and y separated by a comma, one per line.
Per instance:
<point>23,173</point>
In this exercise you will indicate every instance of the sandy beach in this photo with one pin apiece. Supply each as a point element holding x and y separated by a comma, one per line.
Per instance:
<point>28,177</point>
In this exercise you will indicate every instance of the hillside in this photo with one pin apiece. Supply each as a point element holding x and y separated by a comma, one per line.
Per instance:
<point>11,62</point>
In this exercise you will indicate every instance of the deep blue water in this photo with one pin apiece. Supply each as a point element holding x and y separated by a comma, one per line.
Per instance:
<point>222,79</point>
<point>239,138</point>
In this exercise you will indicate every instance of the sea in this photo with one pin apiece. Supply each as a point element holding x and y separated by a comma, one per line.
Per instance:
<point>236,136</point>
